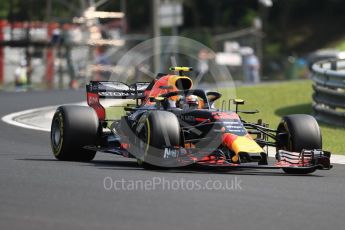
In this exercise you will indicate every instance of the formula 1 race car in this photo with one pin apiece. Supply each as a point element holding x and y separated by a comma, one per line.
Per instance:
<point>172,125</point>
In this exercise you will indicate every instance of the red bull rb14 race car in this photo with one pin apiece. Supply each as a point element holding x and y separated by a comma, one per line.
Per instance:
<point>171,124</point>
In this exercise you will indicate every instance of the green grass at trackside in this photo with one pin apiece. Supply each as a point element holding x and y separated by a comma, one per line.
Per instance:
<point>275,100</point>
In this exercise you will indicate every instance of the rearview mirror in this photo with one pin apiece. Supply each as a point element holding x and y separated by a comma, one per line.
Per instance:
<point>239,101</point>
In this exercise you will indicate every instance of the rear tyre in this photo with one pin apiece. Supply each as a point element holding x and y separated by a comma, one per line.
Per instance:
<point>74,127</point>
<point>300,131</point>
<point>159,130</point>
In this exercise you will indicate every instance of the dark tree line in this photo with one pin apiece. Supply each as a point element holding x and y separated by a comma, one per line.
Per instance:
<point>291,26</point>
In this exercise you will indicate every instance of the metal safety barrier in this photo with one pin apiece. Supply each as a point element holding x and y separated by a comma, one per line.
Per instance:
<point>329,91</point>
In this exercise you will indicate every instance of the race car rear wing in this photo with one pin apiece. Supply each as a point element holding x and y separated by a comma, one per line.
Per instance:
<point>96,90</point>
<point>117,90</point>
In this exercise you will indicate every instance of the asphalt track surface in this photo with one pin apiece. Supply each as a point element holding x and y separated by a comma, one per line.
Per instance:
<point>39,192</point>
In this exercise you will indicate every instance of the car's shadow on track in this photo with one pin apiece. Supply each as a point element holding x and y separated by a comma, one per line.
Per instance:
<point>249,172</point>
<point>192,169</point>
<point>115,164</point>
<point>102,164</point>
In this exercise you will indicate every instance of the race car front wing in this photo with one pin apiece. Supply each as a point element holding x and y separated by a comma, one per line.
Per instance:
<point>306,159</point>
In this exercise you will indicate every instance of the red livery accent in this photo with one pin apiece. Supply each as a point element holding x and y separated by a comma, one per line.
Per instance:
<point>201,119</point>
<point>156,90</point>
<point>93,101</point>
<point>224,115</point>
<point>228,139</point>
<point>124,145</point>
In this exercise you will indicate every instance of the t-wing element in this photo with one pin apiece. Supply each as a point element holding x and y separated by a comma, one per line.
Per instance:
<point>181,69</point>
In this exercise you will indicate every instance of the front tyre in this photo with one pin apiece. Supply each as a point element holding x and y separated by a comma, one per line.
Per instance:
<point>300,131</point>
<point>74,127</point>
<point>159,130</point>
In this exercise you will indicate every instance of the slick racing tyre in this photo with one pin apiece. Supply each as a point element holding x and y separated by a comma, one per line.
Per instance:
<point>72,128</point>
<point>160,129</point>
<point>301,132</point>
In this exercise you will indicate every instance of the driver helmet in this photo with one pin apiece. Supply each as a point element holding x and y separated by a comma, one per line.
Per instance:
<point>192,101</point>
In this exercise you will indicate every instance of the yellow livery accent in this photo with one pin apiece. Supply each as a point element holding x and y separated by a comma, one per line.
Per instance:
<point>235,158</point>
<point>148,136</point>
<point>180,82</point>
<point>159,98</point>
<point>181,68</point>
<point>244,144</point>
